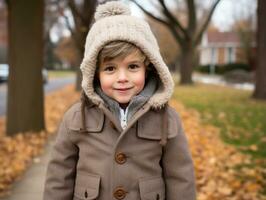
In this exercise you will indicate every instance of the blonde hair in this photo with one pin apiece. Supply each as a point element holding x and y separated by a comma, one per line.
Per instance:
<point>120,49</point>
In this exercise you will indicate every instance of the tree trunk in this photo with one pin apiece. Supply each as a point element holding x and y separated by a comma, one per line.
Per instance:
<point>25,109</point>
<point>260,87</point>
<point>186,65</point>
<point>188,37</point>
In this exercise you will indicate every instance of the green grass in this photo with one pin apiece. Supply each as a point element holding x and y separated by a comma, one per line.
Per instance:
<point>242,120</point>
<point>60,73</point>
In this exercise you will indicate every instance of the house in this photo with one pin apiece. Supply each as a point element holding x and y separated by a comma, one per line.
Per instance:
<point>219,48</point>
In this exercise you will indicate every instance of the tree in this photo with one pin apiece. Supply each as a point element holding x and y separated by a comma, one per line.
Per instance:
<point>25,109</point>
<point>83,16</point>
<point>66,51</point>
<point>82,13</point>
<point>260,86</point>
<point>51,16</point>
<point>164,38</point>
<point>188,37</point>
<point>244,16</point>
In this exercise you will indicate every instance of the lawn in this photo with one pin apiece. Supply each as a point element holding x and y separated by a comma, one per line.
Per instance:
<point>60,73</point>
<point>242,120</point>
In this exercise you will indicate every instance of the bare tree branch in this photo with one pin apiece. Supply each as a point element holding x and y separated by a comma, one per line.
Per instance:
<point>68,24</point>
<point>188,37</point>
<point>176,35</point>
<point>89,8</point>
<point>170,25</point>
<point>172,18</point>
<point>205,24</point>
<point>57,3</point>
<point>75,11</point>
<point>150,15</point>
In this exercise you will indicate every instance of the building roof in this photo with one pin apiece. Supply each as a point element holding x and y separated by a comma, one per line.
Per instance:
<point>223,37</point>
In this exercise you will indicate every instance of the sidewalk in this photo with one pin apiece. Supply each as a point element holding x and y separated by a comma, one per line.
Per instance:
<point>31,184</point>
<point>218,80</point>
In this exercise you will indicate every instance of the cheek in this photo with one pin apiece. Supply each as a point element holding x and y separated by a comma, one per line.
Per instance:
<point>140,81</point>
<point>105,82</point>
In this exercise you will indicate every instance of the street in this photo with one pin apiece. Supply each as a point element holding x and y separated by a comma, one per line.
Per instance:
<point>52,85</point>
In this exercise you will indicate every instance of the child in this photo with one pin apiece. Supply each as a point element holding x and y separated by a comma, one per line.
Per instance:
<point>121,141</point>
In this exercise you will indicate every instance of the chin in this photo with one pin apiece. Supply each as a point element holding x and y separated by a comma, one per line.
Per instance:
<point>123,101</point>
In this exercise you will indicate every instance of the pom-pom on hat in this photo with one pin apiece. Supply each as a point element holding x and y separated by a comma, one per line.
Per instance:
<point>111,8</point>
<point>113,22</point>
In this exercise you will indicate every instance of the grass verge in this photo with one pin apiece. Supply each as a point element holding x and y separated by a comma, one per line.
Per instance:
<point>60,73</point>
<point>240,118</point>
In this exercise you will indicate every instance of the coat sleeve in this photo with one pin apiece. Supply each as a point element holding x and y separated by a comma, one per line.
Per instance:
<point>178,167</point>
<point>61,171</point>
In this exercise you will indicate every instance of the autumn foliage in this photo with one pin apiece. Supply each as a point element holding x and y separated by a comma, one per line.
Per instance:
<point>17,153</point>
<point>219,168</point>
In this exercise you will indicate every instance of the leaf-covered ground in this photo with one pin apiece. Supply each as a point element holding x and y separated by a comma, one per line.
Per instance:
<point>216,164</point>
<point>219,168</point>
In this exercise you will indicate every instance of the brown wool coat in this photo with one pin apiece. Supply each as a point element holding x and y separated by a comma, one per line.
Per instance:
<point>108,163</point>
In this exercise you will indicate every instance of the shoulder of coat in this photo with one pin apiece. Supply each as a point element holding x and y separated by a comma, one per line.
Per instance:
<point>172,113</point>
<point>76,107</point>
<point>174,122</point>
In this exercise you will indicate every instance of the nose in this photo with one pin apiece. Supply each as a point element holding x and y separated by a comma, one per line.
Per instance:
<point>122,76</point>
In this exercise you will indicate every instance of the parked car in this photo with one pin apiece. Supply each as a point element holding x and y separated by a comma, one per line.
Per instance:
<point>45,75</point>
<point>4,73</point>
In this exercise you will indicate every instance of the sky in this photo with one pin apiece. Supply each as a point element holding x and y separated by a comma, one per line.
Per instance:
<point>228,10</point>
<point>224,15</point>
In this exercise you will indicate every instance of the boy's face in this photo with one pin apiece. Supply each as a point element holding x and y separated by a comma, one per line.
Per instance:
<point>122,78</point>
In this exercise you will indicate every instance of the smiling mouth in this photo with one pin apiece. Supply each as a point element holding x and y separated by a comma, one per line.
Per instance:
<point>123,89</point>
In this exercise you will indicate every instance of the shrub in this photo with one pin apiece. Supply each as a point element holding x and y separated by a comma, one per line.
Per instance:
<point>221,69</point>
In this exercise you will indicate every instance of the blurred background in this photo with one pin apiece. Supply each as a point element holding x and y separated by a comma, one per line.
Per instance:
<point>215,50</point>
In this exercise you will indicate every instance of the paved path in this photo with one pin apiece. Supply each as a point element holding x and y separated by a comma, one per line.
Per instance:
<point>218,80</point>
<point>31,184</point>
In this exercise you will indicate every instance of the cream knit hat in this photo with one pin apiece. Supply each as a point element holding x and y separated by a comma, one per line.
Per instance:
<point>114,23</point>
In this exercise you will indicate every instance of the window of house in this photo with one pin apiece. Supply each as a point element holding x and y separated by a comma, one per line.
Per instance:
<point>213,56</point>
<point>230,55</point>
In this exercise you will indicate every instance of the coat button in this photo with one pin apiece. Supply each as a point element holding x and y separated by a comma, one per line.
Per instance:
<point>120,193</point>
<point>120,158</point>
<point>86,194</point>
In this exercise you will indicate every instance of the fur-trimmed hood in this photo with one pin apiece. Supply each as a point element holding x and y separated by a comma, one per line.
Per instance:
<point>114,23</point>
